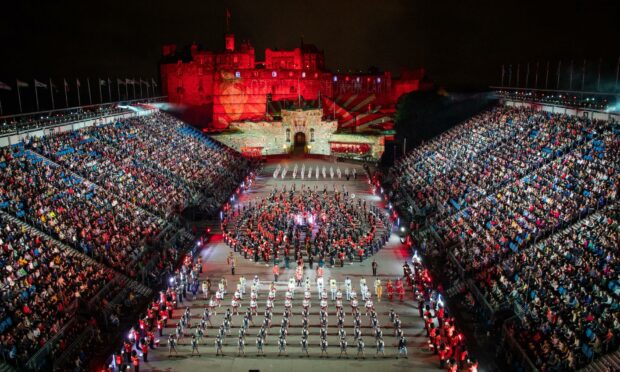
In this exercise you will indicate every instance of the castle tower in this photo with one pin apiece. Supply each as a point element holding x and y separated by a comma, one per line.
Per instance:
<point>229,37</point>
<point>230,42</point>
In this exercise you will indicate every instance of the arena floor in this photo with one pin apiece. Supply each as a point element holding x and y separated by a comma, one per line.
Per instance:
<point>390,260</point>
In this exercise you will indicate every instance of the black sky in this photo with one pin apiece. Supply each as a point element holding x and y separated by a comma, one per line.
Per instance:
<point>460,42</point>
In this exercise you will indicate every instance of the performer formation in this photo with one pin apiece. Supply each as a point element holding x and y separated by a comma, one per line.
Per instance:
<point>306,224</point>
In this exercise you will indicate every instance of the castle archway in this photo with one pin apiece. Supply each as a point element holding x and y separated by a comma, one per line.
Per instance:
<point>300,143</point>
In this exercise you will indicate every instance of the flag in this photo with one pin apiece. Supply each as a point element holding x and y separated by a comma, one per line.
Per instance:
<point>77,82</point>
<point>5,86</point>
<point>154,82</point>
<point>38,84</point>
<point>21,84</point>
<point>129,81</point>
<point>101,82</point>
<point>120,81</point>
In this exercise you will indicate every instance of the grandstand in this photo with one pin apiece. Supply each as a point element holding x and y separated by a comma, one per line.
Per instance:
<point>84,216</point>
<point>521,201</point>
<point>524,202</point>
<point>310,186</point>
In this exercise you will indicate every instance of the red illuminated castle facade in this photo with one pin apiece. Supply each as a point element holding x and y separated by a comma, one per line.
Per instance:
<point>238,87</point>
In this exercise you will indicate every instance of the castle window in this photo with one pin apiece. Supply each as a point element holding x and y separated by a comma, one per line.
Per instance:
<point>274,74</point>
<point>288,135</point>
<point>237,74</point>
<point>311,134</point>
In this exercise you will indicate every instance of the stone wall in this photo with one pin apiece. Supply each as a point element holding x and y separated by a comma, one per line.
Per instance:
<point>278,137</point>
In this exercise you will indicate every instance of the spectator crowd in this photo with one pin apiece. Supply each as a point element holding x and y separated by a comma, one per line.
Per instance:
<point>528,202</point>
<point>105,193</point>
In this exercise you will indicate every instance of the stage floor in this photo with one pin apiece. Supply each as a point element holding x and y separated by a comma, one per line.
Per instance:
<point>390,260</point>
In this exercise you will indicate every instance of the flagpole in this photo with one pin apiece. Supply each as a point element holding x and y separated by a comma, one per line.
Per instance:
<point>36,94</point>
<point>527,75</point>
<point>557,85</point>
<point>510,76</point>
<point>90,97</point>
<point>133,87</point>
<point>19,98</point>
<point>126,89</point>
<point>52,94</point>
<point>141,96</point>
<point>118,89</point>
<point>0,107</point>
<point>502,83</point>
<point>109,90</point>
<point>570,79</point>
<point>518,70</point>
<point>100,96</point>
<point>66,98</point>
<point>77,84</point>
<point>617,73</point>
<point>598,80</point>
<point>583,76</point>
<point>536,78</point>
<point>547,76</point>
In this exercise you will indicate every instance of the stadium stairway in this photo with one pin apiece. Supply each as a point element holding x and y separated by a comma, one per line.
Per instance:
<point>33,155</point>
<point>124,280</point>
<point>456,289</point>
<point>36,157</point>
<point>605,363</point>
<point>5,367</point>
<point>486,193</point>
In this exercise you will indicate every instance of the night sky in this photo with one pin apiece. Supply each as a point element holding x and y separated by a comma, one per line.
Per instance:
<point>459,42</point>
